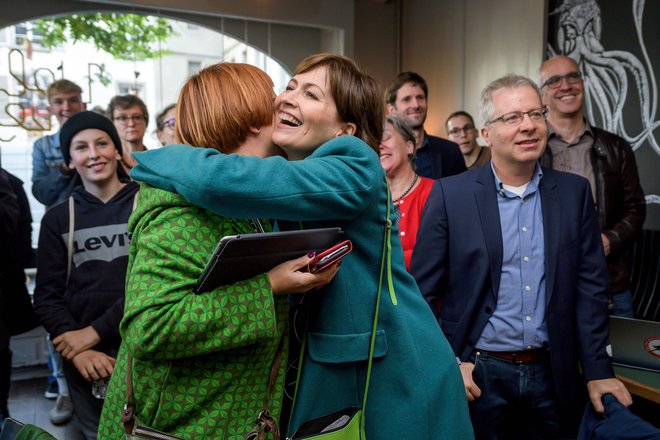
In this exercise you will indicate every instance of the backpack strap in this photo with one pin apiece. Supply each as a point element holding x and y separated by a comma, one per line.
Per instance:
<point>69,243</point>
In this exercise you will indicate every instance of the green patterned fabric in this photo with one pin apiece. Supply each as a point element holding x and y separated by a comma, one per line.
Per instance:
<point>201,362</point>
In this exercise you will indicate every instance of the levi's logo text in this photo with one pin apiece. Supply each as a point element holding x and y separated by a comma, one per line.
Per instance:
<point>104,243</point>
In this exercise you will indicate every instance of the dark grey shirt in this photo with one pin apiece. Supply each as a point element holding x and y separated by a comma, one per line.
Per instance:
<point>574,157</point>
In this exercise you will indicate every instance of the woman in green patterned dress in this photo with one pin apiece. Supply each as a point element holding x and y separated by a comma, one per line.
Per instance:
<point>201,363</point>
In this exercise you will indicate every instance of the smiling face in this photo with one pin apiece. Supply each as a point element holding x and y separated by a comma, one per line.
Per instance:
<point>410,105</point>
<point>567,99</point>
<point>466,138</point>
<point>94,156</point>
<point>65,104</point>
<point>306,114</point>
<point>515,145</point>
<point>395,151</point>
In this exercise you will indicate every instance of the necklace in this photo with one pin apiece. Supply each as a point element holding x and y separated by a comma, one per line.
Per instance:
<point>410,187</point>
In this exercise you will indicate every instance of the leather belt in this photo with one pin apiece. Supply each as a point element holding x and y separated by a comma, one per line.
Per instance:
<point>519,357</point>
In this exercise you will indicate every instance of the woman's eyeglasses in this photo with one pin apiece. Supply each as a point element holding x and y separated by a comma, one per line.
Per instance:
<point>169,123</point>
<point>123,119</point>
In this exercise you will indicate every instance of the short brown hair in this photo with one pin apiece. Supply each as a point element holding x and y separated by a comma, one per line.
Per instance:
<point>459,113</point>
<point>218,105</point>
<point>356,95</point>
<point>62,86</point>
<point>398,82</point>
<point>127,101</point>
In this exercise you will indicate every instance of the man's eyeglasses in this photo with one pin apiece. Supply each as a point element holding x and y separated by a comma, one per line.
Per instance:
<point>456,130</point>
<point>516,118</point>
<point>555,81</point>
<point>168,123</point>
<point>123,119</point>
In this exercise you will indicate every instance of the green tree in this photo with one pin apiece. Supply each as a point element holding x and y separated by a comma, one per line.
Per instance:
<point>124,36</point>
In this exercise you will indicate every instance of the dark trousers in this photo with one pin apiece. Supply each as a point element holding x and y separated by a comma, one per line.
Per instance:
<point>86,407</point>
<point>517,400</point>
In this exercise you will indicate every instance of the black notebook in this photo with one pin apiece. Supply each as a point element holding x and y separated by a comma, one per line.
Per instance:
<point>239,257</point>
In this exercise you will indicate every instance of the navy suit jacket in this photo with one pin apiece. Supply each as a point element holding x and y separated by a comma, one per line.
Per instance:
<point>458,257</point>
<point>439,158</point>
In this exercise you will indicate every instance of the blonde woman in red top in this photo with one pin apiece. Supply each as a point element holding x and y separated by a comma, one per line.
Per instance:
<point>409,191</point>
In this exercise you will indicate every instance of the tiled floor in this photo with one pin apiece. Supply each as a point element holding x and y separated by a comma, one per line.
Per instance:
<point>27,403</point>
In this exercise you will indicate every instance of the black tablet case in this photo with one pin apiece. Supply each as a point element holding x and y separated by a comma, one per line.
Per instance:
<point>240,257</point>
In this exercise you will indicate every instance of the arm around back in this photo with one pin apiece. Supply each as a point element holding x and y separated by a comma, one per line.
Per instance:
<point>333,182</point>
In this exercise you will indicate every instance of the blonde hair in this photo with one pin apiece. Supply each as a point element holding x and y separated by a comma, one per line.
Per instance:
<point>219,105</point>
<point>62,86</point>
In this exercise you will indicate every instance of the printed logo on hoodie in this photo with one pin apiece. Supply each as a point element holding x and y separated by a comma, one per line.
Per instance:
<point>104,243</point>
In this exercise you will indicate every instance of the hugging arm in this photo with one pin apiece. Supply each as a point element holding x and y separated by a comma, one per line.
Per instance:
<point>332,183</point>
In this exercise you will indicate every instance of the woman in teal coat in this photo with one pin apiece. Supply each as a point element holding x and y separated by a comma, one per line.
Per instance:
<point>329,122</point>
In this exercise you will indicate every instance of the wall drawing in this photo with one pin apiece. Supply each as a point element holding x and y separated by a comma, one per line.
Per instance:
<point>620,81</point>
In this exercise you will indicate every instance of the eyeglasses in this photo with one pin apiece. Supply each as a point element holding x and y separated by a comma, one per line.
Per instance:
<point>168,123</point>
<point>456,130</point>
<point>516,118</point>
<point>123,119</point>
<point>555,81</point>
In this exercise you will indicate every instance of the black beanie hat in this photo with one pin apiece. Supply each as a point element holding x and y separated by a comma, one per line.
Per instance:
<point>82,121</point>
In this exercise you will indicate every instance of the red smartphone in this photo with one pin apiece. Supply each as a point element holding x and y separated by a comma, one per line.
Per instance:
<point>329,256</point>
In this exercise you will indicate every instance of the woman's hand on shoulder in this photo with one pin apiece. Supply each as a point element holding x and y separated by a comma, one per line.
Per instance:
<point>289,276</point>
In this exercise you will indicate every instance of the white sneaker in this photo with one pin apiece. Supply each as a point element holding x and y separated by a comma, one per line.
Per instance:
<point>62,412</point>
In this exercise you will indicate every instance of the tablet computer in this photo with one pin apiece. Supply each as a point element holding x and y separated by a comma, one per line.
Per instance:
<point>239,257</point>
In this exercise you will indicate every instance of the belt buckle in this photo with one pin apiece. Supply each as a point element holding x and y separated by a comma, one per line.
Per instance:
<point>515,360</point>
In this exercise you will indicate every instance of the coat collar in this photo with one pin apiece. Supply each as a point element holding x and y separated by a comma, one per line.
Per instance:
<point>486,198</point>
<point>551,206</point>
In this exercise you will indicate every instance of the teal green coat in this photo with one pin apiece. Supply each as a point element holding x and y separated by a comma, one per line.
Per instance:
<point>416,390</point>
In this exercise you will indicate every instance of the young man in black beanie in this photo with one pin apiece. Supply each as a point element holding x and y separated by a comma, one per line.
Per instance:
<point>79,293</point>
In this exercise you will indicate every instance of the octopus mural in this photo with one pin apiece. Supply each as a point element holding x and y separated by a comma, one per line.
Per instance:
<point>610,75</point>
<point>608,72</point>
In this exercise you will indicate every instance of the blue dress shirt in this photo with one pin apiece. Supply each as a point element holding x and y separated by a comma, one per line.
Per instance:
<point>518,322</point>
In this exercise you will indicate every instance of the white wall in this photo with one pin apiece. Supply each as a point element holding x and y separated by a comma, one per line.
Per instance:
<point>458,47</point>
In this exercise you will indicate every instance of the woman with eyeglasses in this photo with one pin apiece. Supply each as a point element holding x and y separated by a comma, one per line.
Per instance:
<point>409,190</point>
<point>165,125</point>
<point>131,117</point>
<point>461,129</point>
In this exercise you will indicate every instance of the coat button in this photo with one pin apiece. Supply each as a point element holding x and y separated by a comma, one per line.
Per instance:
<point>488,310</point>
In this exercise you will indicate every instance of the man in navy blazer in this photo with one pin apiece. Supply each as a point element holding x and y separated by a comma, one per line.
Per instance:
<point>510,254</point>
<point>407,97</point>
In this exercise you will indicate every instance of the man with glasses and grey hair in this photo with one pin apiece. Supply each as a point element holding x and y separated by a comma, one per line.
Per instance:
<point>512,251</point>
<point>606,160</point>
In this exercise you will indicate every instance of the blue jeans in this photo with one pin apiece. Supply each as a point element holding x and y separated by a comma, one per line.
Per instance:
<point>517,400</point>
<point>56,369</point>
<point>622,304</point>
